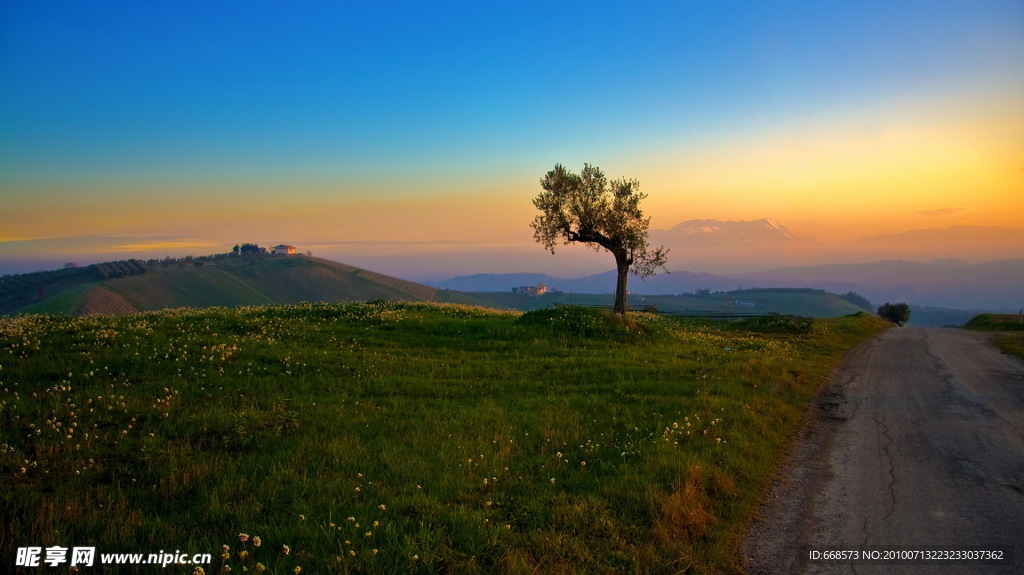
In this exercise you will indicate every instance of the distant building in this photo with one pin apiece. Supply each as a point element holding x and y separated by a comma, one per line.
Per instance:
<point>284,249</point>
<point>539,289</point>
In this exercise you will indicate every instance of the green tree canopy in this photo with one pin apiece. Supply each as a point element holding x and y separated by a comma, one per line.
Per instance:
<point>588,209</point>
<point>898,313</point>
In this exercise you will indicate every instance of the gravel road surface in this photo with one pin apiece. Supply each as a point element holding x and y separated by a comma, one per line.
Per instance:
<point>916,443</point>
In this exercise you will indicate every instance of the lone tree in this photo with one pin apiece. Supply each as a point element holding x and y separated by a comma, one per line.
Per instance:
<point>589,209</point>
<point>898,313</point>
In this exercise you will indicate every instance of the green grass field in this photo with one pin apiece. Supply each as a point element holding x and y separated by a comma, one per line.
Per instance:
<point>402,438</point>
<point>1011,343</point>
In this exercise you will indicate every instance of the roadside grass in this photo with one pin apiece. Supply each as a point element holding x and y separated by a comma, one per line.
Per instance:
<point>1011,340</point>
<point>401,438</point>
<point>1010,343</point>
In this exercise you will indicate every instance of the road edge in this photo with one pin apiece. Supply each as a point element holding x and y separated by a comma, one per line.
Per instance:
<point>782,520</point>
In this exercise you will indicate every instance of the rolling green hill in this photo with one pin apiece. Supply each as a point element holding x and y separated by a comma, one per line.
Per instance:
<point>215,281</point>
<point>995,322</point>
<point>794,301</point>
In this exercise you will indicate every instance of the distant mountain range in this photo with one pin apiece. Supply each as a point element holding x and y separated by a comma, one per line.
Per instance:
<point>947,283</point>
<point>764,229</point>
<point>729,247</point>
<point>717,245</point>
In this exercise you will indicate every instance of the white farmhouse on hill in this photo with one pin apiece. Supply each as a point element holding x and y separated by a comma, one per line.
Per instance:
<point>284,249</point>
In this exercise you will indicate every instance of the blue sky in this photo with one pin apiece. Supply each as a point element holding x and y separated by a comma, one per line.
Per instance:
<point>140,107</point>
<point>229,88</point>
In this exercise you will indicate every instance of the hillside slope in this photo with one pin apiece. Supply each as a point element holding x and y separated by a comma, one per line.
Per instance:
<point>236,281</point>
<point>804,302</point>
<point>56,291</point>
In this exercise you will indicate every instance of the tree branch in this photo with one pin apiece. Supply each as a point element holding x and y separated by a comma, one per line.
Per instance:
<point>591,236</point>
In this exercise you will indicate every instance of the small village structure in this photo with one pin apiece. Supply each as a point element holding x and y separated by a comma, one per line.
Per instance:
<point>249,248</point>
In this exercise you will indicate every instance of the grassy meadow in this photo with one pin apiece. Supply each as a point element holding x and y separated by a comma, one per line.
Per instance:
<point>402,438</point>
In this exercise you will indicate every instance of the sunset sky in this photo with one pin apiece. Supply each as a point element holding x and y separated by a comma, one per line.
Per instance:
<point>412,135</point>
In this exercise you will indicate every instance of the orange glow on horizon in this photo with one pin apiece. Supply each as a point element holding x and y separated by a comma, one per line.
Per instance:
<point>834,182</point>
<point>846,182</point>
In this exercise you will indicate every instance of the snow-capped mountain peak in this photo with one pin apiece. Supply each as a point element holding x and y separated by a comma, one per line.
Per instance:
<point>762,229</point>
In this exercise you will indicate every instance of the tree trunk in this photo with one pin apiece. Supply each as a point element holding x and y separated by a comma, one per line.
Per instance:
<point>622,264</point>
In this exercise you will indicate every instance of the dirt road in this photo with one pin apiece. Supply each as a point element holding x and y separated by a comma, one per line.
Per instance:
<point>916,443</point>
